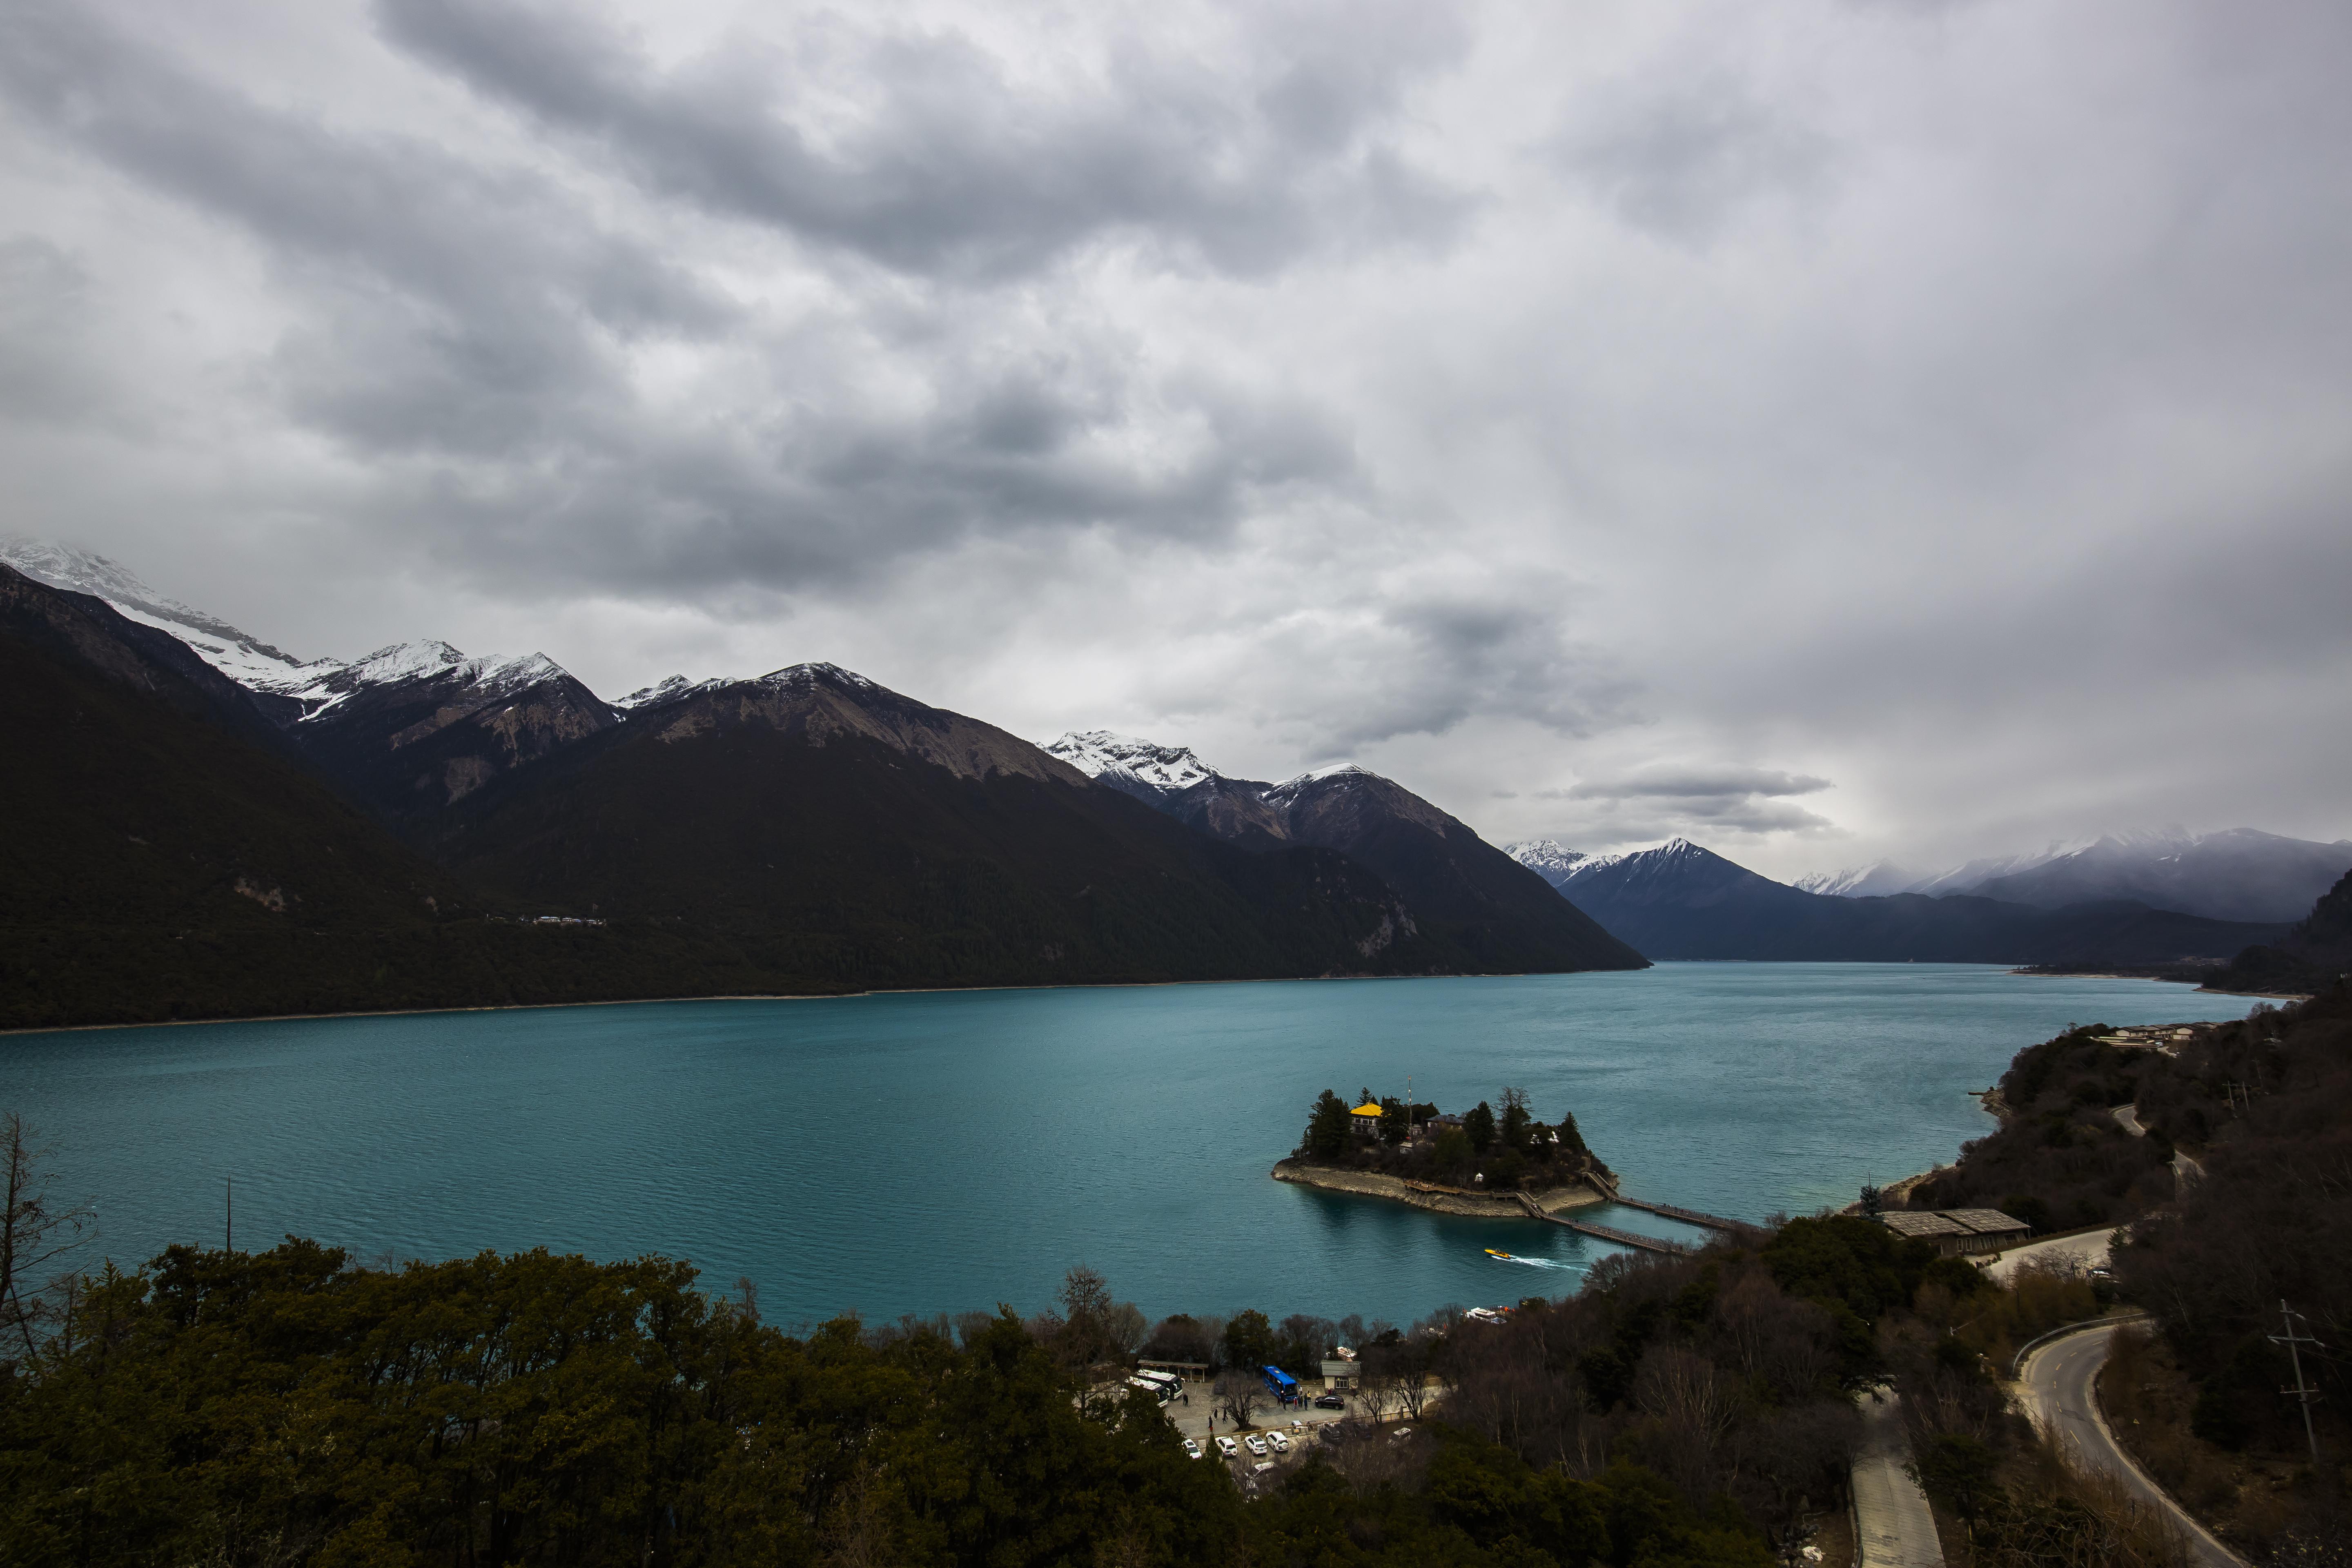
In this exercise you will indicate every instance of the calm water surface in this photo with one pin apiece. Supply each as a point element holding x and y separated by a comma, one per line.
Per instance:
<point>921,1153</point>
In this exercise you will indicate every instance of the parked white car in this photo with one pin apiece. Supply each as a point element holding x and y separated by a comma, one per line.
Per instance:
<point>1193,1449</point>
<point>1281,1444</point>
<point>1256,1445</point>
<point>1229,1448</point>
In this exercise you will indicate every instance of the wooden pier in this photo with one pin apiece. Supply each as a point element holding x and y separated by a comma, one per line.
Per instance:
<point>1691,1216</point>
<point>1599,1232</point>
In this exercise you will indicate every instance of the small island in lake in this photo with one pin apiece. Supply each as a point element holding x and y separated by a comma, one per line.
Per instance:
<point>1479,1162</point>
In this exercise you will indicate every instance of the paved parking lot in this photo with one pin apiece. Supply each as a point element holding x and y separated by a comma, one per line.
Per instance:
<point>1301,1426</point>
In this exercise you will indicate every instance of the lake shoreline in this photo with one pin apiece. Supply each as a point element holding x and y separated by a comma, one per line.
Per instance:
<point>1435,1199</point>
<point>970,990</point>
<point>786,996</point>
<point>2031,974</point>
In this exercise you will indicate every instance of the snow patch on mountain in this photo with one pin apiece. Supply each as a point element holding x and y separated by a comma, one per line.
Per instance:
<point>243,658</point>
<point>660,691</point>
<point>802,676</point>
<point>1966,877</point>
<point>1097,753</point>
<point>1342,771</point>
<point>482,678</point>
<point>1877,879</point>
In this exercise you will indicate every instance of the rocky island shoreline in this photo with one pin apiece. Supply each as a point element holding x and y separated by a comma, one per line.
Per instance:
<point>1583,1193</point>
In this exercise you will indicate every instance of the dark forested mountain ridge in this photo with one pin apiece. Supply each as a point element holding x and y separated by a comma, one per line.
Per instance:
<point>168,855</point>
<point>807,831</point>
<point>1459,887</point>
<point>407,730</point>
<point>1453,879</point>
<point>1683,902</point>
<point>141,791</point>
<point>413,728</point>
<point>173,855</point>
<point>2314,955</point>
<point>820,703</point>
<point>896,843</point>
<point>1171,779</point>
<point>89,636</point>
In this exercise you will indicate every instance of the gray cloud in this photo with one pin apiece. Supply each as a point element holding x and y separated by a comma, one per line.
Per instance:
<point>451,306</point>
<point>1953,405</point>
<point>1710,804</point>
<point>1695,785</point>
<point>958,167</point>
<point>48,371</point>
<point>1682,158</point>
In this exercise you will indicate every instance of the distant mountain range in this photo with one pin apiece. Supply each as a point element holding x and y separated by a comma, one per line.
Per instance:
<point>203,825</point>
<point>2237,875</point>
<point>1682,902</point>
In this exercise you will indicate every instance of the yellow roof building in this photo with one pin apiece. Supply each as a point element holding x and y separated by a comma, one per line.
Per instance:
<point>1366,1109</point>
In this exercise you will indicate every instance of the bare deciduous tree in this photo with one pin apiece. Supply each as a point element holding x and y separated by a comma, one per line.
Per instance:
<point>35,1234</point>
<point>1241,1394</point>
<point>1128,1327</point>
<point>1413,1391</point>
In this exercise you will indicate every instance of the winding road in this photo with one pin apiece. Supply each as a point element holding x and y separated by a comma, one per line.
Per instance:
<point>2056,1384</point>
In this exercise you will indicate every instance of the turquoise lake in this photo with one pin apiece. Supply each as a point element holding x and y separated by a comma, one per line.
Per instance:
<point>946,1151</point>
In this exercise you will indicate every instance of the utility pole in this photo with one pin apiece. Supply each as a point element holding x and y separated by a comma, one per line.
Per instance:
<point>2301,1393</point>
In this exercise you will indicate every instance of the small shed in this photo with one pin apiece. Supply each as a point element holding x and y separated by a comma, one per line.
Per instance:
<point>1955,1231</point>
<point>2002,1229</point>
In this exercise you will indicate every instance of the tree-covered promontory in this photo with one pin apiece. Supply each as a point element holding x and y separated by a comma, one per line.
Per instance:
<point>1480,1147</point>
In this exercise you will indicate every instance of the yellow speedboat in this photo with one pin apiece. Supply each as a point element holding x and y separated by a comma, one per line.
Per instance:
<point>1504,1256</point>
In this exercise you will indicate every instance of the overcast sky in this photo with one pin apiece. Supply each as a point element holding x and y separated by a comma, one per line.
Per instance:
<point>1823,430</point>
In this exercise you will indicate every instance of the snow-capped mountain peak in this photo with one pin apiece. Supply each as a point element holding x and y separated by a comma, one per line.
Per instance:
<point>659,692</point>
<point>1654,857</point>
<point>1095,752</point>
<point>796,677</point>
<point>243,658</point>
<point>402,661</point>
<point>484,677</point>
<point>1344,771</point>
<point>1544,855</point>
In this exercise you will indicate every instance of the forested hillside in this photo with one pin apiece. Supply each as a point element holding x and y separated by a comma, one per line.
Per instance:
<point>2237,1201</point>
<point>288,1408</point>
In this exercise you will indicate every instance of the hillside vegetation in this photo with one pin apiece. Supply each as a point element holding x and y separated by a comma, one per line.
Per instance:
<point>2258,1214</point>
